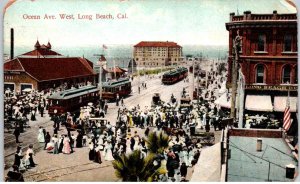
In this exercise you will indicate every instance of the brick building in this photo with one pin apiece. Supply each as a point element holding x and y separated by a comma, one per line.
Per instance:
<point>268,59</point>
<point>155,54</point>
<point>43,68</point>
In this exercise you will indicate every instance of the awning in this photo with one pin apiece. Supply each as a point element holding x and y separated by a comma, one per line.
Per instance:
<point>280,103</point>
<point>222,101</point>
<point>259,103</point>
<point>208,167</point>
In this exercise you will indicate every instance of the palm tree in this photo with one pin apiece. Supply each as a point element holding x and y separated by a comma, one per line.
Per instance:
<point>134,168</point>
<point>157,142</point>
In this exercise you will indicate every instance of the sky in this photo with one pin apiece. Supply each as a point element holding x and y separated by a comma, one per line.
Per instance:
<point>197,22</point>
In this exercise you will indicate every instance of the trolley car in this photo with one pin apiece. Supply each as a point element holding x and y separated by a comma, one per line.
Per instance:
<point>70,100</point>
<point>175,75</point>
<point>110,89</point>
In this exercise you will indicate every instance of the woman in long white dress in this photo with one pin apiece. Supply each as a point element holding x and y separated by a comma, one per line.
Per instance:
<point>29,157</point>
<point>108,152</point>
<point>136,143</point>
<point>41,136</point>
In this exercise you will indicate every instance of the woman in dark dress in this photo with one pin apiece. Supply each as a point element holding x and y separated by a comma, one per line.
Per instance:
<point>79,140</point>
<point>18,157</point>
<point>30,155</point>
<point>61,145</point>
<point>92,151</point>
<point>97,158</point>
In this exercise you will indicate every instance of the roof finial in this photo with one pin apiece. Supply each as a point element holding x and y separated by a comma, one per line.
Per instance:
<point>48,44</point>
<point>37,44</point>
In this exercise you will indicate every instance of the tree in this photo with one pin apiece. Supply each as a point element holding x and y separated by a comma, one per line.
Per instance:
<point>134,168</point>
<point>157,142</point>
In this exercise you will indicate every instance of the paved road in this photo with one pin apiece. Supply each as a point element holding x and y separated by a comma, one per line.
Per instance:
<point>77,167</point>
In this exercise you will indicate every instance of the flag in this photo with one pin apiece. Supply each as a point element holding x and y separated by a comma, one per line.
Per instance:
<point>287,115</point>
<point>104,46</point>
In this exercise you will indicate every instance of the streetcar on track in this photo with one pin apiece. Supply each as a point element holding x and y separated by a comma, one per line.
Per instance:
<point>175,75</point>
<point>110,89</point>
<point>70,100</point>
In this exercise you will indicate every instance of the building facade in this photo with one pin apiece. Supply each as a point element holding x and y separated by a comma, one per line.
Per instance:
<point>268,58</point>
<point>156,54</point>
<point>43,68</point>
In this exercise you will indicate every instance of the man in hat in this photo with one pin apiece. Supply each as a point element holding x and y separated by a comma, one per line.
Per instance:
<point>17,133</point>
<point>42,110</point>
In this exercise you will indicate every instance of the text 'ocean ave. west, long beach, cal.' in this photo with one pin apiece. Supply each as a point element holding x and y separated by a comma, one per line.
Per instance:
<point>79,16</point>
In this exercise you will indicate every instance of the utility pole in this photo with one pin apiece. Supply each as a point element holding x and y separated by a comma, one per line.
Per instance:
<point>193,79</point>
<point>198,83</point>
<point>235,68</point>
<point>100,79</point>
<point>100,74</point>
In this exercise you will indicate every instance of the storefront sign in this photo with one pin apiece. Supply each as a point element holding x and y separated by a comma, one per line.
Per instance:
<point>273,88</point>
<point>11,72</point>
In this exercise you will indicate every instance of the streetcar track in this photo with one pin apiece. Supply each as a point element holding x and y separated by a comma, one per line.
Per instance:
<point>51,170</point>
<point>82,170</point>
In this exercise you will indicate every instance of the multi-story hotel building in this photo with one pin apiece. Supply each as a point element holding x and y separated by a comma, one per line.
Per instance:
<point>155,54</point>
<point>268,59</point>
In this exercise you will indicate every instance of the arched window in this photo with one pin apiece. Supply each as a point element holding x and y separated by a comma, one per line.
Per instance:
<point>286,74</point>
<point>260,73</point>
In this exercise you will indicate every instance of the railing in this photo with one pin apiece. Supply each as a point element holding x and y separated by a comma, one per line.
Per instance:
<point>262,17</point>
<point>273,16</point>
<point>238,18</point>
<point>287,17</point>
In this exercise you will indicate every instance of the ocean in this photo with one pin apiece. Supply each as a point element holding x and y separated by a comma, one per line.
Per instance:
<point>123,53</point>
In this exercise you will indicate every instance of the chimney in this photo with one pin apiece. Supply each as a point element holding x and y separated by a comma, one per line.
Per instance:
<point>259,144</point>
<point>247,15</point>
<point>231,16</point>
<point>290,171</point>
<point>274,15</point>
<point>11,43</point>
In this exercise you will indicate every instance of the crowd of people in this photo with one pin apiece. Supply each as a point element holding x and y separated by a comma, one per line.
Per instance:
<point>89,129</point>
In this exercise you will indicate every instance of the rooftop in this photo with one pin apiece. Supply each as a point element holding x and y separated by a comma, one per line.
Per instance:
<point>156,44</point>
<point>247,164</point>
<point>266,20</point>
<point>41,51</point>
<point>71,93</point>
<point>248,16</point>
<point>45,69</point>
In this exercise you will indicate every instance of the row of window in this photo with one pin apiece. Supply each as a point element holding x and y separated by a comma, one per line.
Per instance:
<point>286,77</point>
<point>8,77</point>
<point>287,43</point>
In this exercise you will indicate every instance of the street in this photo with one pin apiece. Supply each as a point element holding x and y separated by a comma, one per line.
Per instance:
<point>76,166</point>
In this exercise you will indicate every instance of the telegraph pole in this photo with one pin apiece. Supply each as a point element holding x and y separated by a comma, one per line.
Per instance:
<point>193,79</point>
<point>100,75</point>
<point>235,68</point>
<point>100,79</point>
